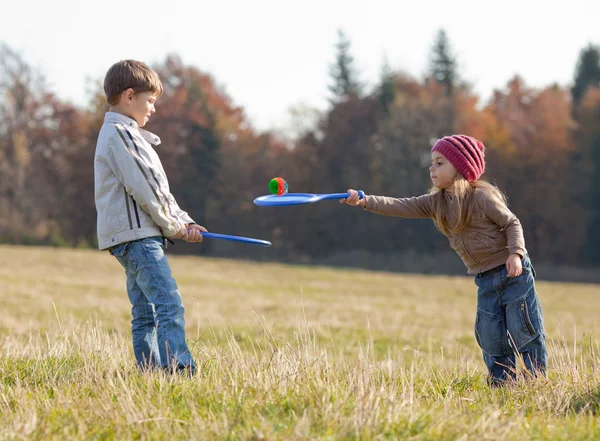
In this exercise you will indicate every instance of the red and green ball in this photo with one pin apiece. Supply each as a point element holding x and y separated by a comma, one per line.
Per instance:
<point>278,186</point>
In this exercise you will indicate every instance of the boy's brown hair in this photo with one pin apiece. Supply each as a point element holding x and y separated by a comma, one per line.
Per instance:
<point>133,74</point>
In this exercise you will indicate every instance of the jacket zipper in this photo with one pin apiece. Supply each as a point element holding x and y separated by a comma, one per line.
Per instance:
<point>128,210</point>
<point>526,320</point>
<point>137,214</point>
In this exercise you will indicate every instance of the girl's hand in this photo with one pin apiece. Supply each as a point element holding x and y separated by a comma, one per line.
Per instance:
<point>513,265</point>
<point>353,199</point>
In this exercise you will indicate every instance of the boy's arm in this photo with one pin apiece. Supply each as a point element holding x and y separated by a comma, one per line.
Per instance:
<point>499,213</point>
<point>136,177</point>
<point>415,207</point>
<point>182,215</point>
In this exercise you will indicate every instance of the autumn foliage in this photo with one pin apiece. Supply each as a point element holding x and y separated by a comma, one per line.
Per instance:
<point>541,151</point>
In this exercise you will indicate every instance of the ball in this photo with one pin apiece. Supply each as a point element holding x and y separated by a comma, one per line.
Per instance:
<point>278,186</point>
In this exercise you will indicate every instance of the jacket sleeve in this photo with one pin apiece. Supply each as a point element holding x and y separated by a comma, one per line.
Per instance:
<point>498,212</point>
<point>182,215</point>
<point>414,207</point>
<point>135,176</point>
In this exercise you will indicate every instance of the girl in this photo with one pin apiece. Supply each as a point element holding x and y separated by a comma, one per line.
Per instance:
<point>489,239</point>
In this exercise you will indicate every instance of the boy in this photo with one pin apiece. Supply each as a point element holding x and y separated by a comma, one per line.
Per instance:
<point>137,213</point>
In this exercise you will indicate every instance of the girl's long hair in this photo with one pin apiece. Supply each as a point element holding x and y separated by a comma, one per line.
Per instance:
<point>452,219</point>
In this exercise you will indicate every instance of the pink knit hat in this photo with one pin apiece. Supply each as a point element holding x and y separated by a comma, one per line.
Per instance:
<point>465,153</point>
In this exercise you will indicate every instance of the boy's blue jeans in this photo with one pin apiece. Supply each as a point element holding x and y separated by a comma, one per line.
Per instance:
<point>158,325</point>
<point>509,321</point>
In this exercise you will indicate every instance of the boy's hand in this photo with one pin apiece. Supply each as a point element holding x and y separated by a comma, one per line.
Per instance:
<point>513,265</point>
<point>353,199</point>
<point>194,233</point>
<point>181,234</point>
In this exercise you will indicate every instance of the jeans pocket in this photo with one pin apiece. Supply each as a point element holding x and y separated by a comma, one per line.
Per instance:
<point>490,334</point>
<point>532,269</point>
<point>521,327</point>
<point>153,243</point>
<point>528,266</point>
<point>120,250</point>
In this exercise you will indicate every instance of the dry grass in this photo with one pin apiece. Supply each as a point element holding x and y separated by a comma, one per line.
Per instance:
<point>284,353</point>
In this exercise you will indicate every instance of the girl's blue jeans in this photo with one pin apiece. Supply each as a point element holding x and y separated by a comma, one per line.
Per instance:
<point>509,321</point>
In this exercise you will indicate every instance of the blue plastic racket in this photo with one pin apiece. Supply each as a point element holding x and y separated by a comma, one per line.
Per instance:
<point>272,200</point>
<point>248,240</point>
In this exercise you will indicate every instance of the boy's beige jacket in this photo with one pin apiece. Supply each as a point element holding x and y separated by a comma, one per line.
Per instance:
<point>132,193</point>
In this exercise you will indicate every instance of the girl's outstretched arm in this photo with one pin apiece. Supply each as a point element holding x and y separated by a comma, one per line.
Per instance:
<point>414,207</point>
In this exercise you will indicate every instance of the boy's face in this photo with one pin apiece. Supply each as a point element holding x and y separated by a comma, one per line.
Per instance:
<point>442,172</point>
<point>139,106</point>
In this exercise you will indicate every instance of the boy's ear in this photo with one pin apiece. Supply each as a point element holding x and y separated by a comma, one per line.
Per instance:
<point>127,95</point>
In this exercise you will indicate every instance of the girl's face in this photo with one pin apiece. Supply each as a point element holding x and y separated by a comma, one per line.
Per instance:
<point>441,172</point>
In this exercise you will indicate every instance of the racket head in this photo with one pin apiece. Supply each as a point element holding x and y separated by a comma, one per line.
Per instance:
<point>272,200</point>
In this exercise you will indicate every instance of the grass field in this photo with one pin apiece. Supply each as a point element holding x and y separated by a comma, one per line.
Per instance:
<point>284,352</point>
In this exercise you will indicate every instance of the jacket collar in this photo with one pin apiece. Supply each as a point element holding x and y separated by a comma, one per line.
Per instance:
<point>119,118</point>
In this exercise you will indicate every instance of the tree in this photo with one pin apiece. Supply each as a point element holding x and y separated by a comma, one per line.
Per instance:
<point>587,137</point>
<point>330,164</point>
<point>442,63</point>
<point>18,84</point>
<point>342,72</point>
<point>303,119</point>
<point>191,115</point>
<point>399,159</point>
<point>538,164</point>
<point>594,200</point>
<point>46,160</point>
<point>215,162</point>
<point>386,86</point>
<point>586,110</point>
<point>442,72</point>
<point>587,73</point>
<point>27,122</point>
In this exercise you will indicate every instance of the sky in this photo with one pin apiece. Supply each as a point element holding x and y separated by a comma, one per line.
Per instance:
<point>273,55</point>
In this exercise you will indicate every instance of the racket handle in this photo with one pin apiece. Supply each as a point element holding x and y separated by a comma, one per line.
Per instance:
<point>361,195</point>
